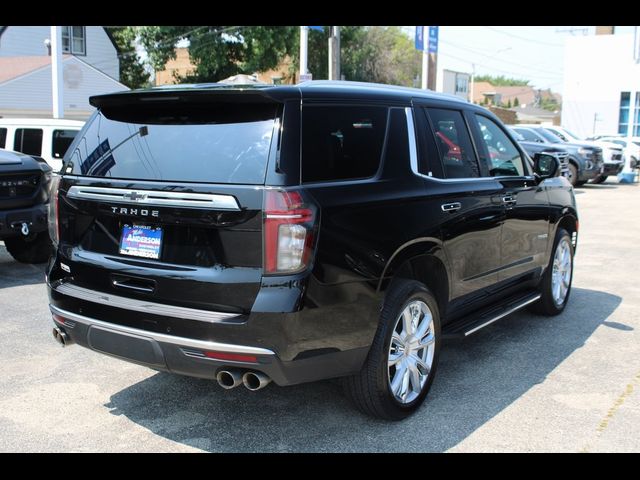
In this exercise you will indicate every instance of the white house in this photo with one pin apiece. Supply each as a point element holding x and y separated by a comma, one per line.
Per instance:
<point>601,85</point>
<point>90,67</point>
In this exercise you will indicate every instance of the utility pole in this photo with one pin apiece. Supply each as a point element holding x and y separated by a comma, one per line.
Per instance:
<point>433,65</point>
<point>334,54</point>
<point>56,72</point>
<point>304,43</point>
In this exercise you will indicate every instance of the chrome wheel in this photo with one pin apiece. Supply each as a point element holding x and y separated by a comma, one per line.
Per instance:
<point>561,274</point>
<point>411,352</point>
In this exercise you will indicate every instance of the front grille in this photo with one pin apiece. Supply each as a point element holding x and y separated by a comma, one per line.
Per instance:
<point>597,157</point>
<point>21,185</point>
<point>616,157</point>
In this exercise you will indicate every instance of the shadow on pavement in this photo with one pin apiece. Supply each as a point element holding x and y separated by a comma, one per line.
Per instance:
<point>477,379</point>
<point>13,274</point>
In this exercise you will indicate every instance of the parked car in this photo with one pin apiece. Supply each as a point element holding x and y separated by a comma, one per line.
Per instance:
<point>612,154</point>
<point>299,233</point>
<point>544,147</point>
<point>631,150</point>
<point>24,193</point>
<point>43,137</point>
<point>585,160</point>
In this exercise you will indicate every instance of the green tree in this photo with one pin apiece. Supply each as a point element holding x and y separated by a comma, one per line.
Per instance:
<point>219,51</point>
<point>502,81</point>
<point>516,102</point>
<point>132,72</point>
<point>509,103</point>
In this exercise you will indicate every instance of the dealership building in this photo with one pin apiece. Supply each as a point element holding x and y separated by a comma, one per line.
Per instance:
<point>602,84</point>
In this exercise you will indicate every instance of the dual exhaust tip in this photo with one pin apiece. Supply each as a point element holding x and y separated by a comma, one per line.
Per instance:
<point>253,381</point>
<point>61,337</point>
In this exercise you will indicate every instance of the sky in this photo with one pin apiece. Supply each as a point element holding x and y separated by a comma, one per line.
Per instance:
<point>530,53</point>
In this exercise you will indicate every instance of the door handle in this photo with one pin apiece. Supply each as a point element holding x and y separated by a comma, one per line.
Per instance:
<point>509,200</point>
<point>451,207</point>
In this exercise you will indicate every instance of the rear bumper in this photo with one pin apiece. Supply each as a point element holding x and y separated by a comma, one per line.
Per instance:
<point>35,217</point>
<point>290,348</point>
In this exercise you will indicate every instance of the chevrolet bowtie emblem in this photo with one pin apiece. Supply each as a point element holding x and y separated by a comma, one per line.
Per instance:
<point>134,196</point>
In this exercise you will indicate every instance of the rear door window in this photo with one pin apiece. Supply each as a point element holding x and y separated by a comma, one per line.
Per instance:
<point>28,140</point>
<point>217,143</point>
<point>454,144</point>
<point>60,142</point>
<point>341,142</point>
<point>3,137</point>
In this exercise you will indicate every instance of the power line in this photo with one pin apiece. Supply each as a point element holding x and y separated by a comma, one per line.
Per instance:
<point>462,47</point>
<point>509,72</point>
<point>530,40</point>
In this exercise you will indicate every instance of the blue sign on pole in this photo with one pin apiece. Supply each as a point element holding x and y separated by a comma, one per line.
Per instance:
<point>420,38</point>
<point>433,39</point>
<point>316,28</point>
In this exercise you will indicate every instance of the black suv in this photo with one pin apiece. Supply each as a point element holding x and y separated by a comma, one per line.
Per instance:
<point>299,233</point>
<point>24,193</point>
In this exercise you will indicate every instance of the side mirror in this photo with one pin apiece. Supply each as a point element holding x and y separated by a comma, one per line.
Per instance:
<point>545,165</point>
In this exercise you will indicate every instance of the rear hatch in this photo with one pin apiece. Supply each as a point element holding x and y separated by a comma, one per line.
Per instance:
<point>162,199</point>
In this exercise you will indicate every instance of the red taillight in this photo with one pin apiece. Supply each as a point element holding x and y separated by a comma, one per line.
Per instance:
<point>58,318</point>
<point>288,232</point>
<point>53,220</point>
<point>236,357</point>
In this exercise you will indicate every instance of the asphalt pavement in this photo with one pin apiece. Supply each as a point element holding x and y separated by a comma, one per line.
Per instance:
<point>524,384</point>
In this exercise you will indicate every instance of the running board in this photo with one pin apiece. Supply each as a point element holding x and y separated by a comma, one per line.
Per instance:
<point>482,318</point>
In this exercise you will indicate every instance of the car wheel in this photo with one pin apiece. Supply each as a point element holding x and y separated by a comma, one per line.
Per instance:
<point>555,285</point>
<point>599,179</point>
<point>572,174</point>
<point>34,248</point>
<point>402,361</point>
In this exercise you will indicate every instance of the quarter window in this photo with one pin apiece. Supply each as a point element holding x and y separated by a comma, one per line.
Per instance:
<point>454,144</point>
<point>61,141</point>
<point>3,137</point>
<point>74,40</point>
<point>29,141</point>
<point>503,157</point>
<point>341,142</point>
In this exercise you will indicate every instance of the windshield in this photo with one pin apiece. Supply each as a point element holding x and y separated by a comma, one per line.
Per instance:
<point>548,136</point>
<point>224,145</point>
<point>571,134</point>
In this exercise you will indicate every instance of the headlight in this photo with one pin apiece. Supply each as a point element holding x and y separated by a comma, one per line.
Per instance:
<point>585,152</point>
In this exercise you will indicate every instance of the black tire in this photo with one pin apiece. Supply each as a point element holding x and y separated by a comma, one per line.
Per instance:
<point>581,183</point>
<point>547,305</point>
<point>370,390</point>
<point>34,248</point>
<point>573,174</point>
<point>599,179</point>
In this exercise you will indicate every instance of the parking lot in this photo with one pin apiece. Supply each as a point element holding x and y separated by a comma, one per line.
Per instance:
<point>526,383</point>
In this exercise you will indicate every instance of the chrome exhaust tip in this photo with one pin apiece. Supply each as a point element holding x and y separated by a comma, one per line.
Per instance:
<point>61,337</point>
<point>255,381</point>
<point>229,379</point>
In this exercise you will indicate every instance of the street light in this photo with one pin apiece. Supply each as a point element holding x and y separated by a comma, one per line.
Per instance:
<point>473,68</point>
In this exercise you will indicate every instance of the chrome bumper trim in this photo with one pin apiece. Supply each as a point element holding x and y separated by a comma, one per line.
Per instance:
<point>141,305</point>
<point>161,337</point>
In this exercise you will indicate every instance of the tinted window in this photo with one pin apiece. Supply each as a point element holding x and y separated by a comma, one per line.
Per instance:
<point>29,141</point>
<point>202,143</point>
<point>528,135</point>
<point>548,136</point>
<point>557,134</point>
<point>454,144</point>
<point>341,142</point>
<point>503,156</point>
<point>3,137</point>
<point>61,141</point>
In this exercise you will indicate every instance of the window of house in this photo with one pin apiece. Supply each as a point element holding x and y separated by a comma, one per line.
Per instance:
<point>502,156</point>
<point>28,140</point>
<point>462,84</point>
<point>3,137</point>
<point>623,120</point>
<point>74,40</point>
<point>60,142</point>
<point>341,142</point>
<point>454,144</point>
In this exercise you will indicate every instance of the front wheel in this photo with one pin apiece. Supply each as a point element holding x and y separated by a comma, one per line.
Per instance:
<point>555,285</point>
<point>402,361</point>
<point>572,174</point>
<point>599,179</point>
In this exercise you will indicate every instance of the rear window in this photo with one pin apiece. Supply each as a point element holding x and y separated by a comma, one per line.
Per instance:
<point>28,140</point>
<point>341,142</point>
<point>61,141</point>
<point>218,143</point>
